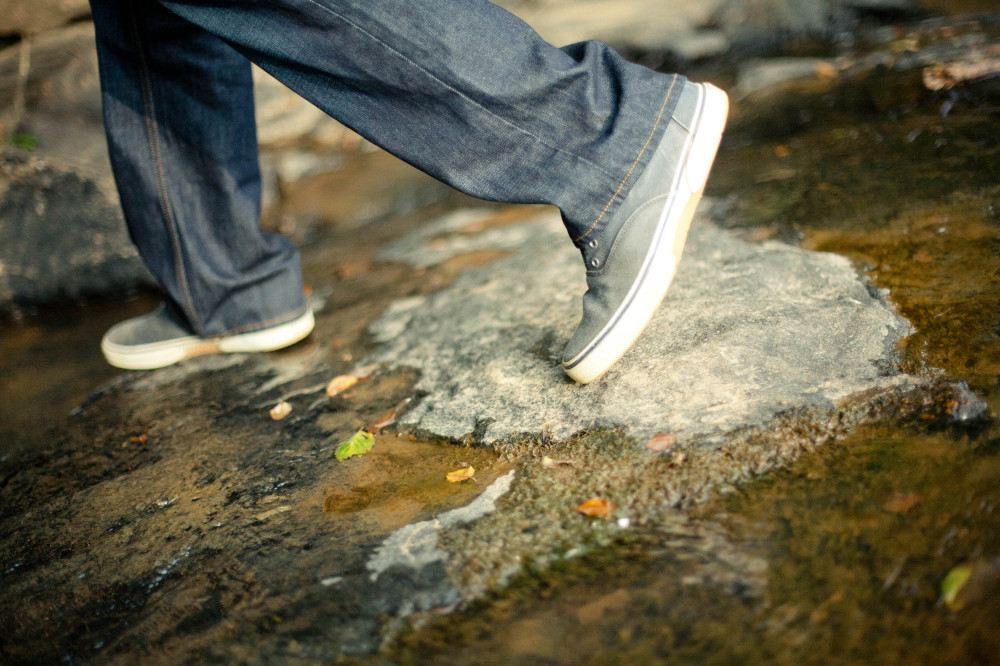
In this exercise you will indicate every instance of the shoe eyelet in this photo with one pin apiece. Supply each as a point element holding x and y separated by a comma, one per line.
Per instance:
<point>594,263</point>
<point>592,244</point>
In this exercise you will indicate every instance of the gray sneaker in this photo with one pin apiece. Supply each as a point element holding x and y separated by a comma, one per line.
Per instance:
<point>156,340</point>
<point>632,259</point>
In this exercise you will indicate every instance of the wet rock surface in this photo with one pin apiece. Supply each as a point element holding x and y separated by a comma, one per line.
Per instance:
<point>747,331</point>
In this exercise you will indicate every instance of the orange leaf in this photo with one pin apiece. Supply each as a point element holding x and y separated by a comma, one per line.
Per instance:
<point>825,70</point>
<point>661,441</point>
<point>596,506</point>
<point>340,383</point>
<point>902,503</point>
<point>460,475</point>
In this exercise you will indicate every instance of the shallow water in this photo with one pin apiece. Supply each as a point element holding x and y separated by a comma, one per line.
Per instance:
<point>50,362</point>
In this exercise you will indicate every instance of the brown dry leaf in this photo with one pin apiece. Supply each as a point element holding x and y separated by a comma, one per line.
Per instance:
<point>388,418</point>
<point>280,411</point>
<point>340,384</point>
<point>460,475</point>
<point>781,151</point>
<point>596,506</point>
<point>661,441</point>
<point>900,503</point>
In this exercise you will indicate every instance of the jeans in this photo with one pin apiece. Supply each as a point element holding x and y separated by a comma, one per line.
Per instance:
<point>461,89</point>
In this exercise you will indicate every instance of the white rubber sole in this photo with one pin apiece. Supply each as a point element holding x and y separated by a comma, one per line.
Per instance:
<point>168,352</point>
<point>660,263</point>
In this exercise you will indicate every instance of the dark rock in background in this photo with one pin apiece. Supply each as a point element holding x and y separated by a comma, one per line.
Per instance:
<point>61,234</point>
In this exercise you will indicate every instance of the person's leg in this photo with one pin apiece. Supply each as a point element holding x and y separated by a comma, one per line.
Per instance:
<point>470,94</point>
<point>178,110</point>
<point>465,91</point>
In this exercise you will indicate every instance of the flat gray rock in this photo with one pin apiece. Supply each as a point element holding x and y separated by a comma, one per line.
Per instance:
<point>746,331</point>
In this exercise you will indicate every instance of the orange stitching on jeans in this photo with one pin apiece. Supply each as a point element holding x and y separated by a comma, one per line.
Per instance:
<point>638,157</point>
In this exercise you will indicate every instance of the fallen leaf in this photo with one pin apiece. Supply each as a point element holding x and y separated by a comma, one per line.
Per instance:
<point>359,443</point>
<point>971,583</point>
<point>340,384</point>
<point>900,503</point>
<point>781,151</point>
<point>596,506</point>
<point>661,441</point>
<point>460,475</point>
<point>826,70</point>
<point>953,584</point>
<point>280,411</point>
<point>388,418</point>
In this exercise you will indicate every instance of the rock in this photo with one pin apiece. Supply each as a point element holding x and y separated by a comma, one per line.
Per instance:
<point>762,26</point>
<point>56,96</point>
<point>883,5</point>
<point>416,545</point>
<point>30,17</point>
<point>294,165</point>
<point>62,235</point>
<point>746,331</point>
<point>644,25</point>
<point>285,119</point>
<point>758,74</point>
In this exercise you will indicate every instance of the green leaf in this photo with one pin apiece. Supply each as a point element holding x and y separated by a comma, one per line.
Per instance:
<point>24,140</point>
<point>953,584</point>
<point>361,442</point>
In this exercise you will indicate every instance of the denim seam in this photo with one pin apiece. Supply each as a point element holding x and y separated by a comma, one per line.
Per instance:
<point>153,136</point>
<point>458,92</point>
<point>638,157</point>
<point>265,324</point>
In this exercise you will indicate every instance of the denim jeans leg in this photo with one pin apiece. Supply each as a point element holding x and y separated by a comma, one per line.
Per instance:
<point>465,91</point>
<point>178,111</point>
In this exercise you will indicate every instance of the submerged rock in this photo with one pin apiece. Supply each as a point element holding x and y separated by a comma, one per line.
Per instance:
<point>746,331</point>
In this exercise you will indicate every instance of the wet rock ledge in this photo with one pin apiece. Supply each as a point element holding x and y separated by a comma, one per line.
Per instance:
<point>746,331</point>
